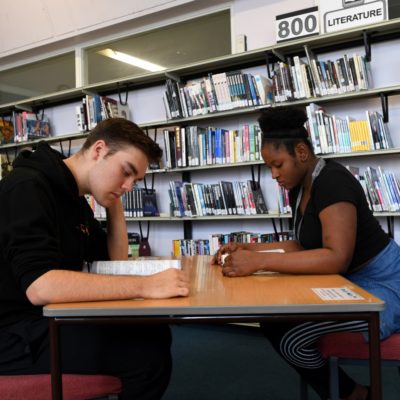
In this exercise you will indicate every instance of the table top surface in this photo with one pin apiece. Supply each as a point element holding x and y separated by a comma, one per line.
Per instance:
<point>211,293</point>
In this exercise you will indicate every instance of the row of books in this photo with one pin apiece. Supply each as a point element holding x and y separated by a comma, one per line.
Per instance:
<point>190,247</point>
<point>283,200</point>
<point>215,92</point>
<point>218,239</point>
<point>332,134</point>
<point>98,210</point>
<point>24,126</point>
<point>95,108</point>
<point>381,188</point>
<point>303,79</point>
<point>140,202</point>
<point>196,146</point>
<point>224,198</point>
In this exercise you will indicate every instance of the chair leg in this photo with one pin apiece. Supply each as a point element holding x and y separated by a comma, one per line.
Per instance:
<point>303,389</point>
<point>334,378</point>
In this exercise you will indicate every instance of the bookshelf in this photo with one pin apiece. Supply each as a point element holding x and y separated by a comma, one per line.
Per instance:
<point>365,36</point>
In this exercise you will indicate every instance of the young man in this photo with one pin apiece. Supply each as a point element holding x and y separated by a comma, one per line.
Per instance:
<point>47,232</point>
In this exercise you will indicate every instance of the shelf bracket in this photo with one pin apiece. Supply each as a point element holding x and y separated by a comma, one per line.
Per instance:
<point>61,148</point>
<point>385,106</point>
<point>123,102</point>
<point>69,147</point>
<point>145,183</point>
<point>390,226</point>
<point>267,64</point>
<point>7,157</point>
<point>144,247</point>
<point>279,55</point>
<point>173,77</point>
<point>23,107</point>
<point>367,45</point>
<point>187,229</point>
<point>258,173</point>
<point>39,113</point>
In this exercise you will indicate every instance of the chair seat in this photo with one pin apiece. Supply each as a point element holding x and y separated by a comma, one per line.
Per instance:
<point>353,345</point>
<point>75,387</point>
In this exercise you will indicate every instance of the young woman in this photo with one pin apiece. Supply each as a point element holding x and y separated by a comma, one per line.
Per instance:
<point>335,232</point>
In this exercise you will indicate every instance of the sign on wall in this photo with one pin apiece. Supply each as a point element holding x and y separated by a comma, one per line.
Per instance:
<point>297,24</point>
<point>336,15</point>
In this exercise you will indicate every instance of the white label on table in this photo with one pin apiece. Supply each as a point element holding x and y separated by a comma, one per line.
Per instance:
<point>340,293</point>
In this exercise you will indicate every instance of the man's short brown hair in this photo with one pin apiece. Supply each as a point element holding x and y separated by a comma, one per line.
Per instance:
<point>119,133</point>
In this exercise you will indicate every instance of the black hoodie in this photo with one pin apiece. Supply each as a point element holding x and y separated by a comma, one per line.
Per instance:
<point>44,225</point>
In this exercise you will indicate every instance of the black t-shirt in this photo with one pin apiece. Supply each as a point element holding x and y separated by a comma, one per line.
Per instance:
<point>336,184</point>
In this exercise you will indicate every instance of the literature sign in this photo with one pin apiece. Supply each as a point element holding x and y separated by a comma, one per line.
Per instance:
<point>297,24</point>
<point>336,15</point>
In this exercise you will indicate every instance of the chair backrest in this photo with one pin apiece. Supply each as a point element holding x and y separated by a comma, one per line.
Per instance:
<point>351,348</point>
<point>352,345</point>
<point>75,387</point>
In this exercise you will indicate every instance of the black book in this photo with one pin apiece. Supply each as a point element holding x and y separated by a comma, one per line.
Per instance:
<point>261,205</point>
<point>149,203</point>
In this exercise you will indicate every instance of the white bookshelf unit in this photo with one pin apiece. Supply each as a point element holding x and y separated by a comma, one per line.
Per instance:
<point>147,109</point>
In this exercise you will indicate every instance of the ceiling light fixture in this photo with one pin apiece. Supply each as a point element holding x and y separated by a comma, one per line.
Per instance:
<point>126,58</point>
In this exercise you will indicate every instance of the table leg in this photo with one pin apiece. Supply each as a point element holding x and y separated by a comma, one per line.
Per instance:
<point>55,368</point>
<point>375,357</point>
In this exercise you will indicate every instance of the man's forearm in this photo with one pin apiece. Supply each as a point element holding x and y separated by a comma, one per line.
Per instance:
<point>69,286</point>
<point>60,286</point>
<point>117,236</point>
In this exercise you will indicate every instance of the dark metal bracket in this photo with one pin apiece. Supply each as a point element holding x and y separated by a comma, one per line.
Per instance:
<point>145,183</point>
<point>187,229</point>
<point>367,45</point>
<point>385,106</point>
<point>173,77</point>
<point>390,226</point>
<point>258,173</point>
<point>279,55</point>
<point>123,102</point>
<point>267,64</point>
<point>141,231</point>
<point>187,225</point>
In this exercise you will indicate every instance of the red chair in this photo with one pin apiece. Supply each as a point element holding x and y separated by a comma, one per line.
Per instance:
<point>75,387</point>
<point>350,348</point>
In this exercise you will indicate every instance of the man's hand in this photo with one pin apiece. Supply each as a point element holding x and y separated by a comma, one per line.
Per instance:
<point>169,283</point>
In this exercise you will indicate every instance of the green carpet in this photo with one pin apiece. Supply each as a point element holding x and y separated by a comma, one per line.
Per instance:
<point>225,362</point>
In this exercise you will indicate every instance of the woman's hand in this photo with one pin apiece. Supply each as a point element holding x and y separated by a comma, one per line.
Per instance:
<point>240,263</point>
<point>226,249</point>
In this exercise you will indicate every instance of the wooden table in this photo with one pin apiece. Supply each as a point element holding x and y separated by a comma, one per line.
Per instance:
<point>213,297</point>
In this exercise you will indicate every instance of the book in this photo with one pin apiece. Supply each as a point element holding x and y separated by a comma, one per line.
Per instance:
<point>142,266</point>
<point>6,131</point>
<point>149,199</point>
<point>133,244</point>
<point>35,128</point>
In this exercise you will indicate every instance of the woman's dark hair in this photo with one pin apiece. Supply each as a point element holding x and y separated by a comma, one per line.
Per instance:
<point>119,133</point>
<point>284,126</point>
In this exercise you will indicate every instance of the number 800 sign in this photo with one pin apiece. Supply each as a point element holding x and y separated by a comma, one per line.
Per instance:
<point>297,24</point>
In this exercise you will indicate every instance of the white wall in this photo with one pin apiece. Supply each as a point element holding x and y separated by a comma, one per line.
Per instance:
<point>30,23</point>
